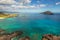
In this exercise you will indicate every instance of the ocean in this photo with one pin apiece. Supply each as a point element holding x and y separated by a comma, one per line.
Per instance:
<point>32,24</point>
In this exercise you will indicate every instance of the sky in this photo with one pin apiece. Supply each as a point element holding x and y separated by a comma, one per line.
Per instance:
<point>30,5</point>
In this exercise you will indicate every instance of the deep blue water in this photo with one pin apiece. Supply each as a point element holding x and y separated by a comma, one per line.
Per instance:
<point>32,24</point>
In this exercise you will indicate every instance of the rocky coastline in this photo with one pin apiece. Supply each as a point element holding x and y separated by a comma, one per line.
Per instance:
<point>4,36</point>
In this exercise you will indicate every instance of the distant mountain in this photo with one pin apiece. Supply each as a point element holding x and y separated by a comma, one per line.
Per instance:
<point>48,13</point>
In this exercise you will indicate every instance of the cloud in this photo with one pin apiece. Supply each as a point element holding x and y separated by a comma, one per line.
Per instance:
<point>22,4</point>
<point>8,2</point>
<point>14,2</point>
<point>58,3</point>
<point>15,7</point>
<point>18,7</point>
<point>2,7</point>
<point>42,5</point>
<point>28,6</point>
<point>27,1</point>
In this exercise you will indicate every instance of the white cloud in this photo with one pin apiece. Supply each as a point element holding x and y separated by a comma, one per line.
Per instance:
<point>27,1</point>
<point>16,7</point>
<point>5,7</point>
<point>24,2</point>
<point>29,6</point>
<point>42,5</point>
<point>57,3</point>
<point>20,6</point>
<point>14,2</point>
<point>8,2</point>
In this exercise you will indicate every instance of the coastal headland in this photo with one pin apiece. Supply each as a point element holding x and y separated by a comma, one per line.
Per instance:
<point>6,15</point>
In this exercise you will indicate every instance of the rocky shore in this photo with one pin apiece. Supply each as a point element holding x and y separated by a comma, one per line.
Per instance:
<point>4,36</point>
<point>50,37</point>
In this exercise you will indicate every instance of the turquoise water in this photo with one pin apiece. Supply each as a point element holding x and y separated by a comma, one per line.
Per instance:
<point>32,24</point>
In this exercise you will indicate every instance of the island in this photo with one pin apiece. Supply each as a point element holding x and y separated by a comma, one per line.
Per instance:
<point>48,13</point>
<point>6,15</point>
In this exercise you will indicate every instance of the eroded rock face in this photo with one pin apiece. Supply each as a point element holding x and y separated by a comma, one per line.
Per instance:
<point>9,36</point>
<point>50,37</point>
<point>48,13</point>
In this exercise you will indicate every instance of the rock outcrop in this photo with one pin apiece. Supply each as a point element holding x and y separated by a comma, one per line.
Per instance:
<point>50,37</point>
<point>9,36</point>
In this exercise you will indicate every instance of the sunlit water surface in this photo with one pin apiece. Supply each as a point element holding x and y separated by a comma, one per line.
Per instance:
<point>32,24</point>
